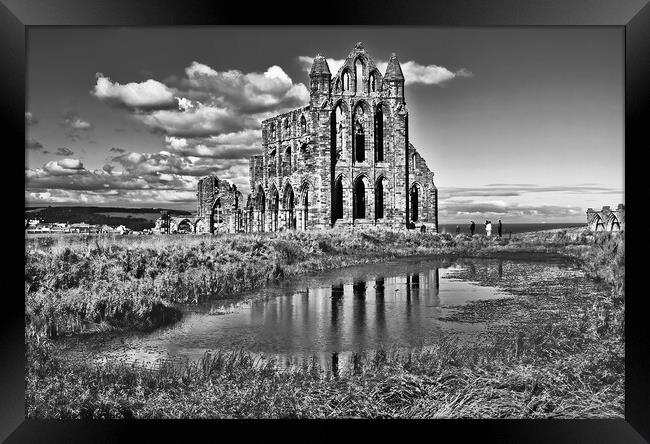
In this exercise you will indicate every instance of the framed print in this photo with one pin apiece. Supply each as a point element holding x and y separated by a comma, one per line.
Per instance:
<point>413,212</point>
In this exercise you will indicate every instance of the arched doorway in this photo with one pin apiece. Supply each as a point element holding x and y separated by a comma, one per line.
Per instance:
<point>185,226</point>
<point>304,206</point>
<point>274,205</point>
<point>337,201</point>
<point>359,199</point>
<point>289,208</point>
<point>261,208</point>
<point>415,203</point>
<point>379,198</point>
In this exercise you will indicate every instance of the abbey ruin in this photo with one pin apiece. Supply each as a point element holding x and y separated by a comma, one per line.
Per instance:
<point>606,219</point>
<point>342,160</point>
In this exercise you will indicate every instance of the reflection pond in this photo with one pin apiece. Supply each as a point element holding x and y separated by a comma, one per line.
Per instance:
<point>400,303</point>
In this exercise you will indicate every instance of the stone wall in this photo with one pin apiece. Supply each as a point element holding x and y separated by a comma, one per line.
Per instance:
<point>343,160</point>
<point>606,219</point>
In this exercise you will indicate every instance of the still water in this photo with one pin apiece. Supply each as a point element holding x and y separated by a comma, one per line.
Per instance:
<point>397,303</point>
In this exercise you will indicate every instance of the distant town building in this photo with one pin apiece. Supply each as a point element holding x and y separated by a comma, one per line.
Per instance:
<point>606,219</point>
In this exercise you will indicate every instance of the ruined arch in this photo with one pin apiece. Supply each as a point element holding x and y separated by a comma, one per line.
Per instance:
<point>597,223</point>
<point>303,124</point>
<point>359,65</point>
<point>286,161</point>
<point>304,202</point>
<point>373,81</point>
<point>185,226</point>
<point>613,224</point>
<point>379,132</point>
<point>274,206</point>
<point>345,79</point>
<point>360,198</point>
<point>288,205</point>
<point>337,199</point>
<point>260,207</point>
<point>416,198</point>
<point>338,125</point>
<point>216,215</point>
<point>361,117</point>
<point>381,190</point>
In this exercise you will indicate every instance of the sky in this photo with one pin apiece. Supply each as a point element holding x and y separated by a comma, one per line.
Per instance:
<point>519,124</point>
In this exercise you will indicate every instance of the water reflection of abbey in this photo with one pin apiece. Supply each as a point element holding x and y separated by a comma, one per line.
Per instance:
<point>352,315</point>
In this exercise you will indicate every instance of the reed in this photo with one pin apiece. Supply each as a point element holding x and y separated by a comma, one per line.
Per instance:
<point>73,283</point>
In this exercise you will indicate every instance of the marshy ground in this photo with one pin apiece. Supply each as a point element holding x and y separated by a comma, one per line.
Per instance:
<point>557,351</point>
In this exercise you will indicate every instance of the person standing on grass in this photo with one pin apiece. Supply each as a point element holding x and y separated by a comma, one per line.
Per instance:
<point>500,228</point>
<point>472,227</point>
<point>457,229</point>
<point>488,228</point>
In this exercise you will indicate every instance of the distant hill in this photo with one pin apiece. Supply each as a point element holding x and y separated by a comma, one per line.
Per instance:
<point>132,218</point>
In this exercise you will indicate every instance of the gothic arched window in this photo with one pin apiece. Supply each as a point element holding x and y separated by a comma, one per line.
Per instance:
<point>358,74</point>
<point>379,134</point>
<point>346,80</point>
<point>303,125</point>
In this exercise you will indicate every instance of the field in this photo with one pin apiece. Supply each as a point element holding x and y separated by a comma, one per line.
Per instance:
<point>76,284</point>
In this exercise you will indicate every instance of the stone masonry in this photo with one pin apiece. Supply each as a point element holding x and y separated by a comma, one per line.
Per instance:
<point>606,219</point>
<point>343,160</point>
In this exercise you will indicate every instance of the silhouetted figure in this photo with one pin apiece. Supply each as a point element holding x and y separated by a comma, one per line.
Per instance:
<point>500,228</point>
<point>472,227</point>
<point>423,229</point>
<point>457,229</point>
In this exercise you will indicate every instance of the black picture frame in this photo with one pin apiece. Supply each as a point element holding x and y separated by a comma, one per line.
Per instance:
<point>633,15</point>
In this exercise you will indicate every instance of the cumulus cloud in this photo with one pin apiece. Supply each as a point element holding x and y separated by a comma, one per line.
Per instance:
<point>33,144</point>
<point>149,94</point>
<point>64,167</point>
<point>198,121</point>
<point>236,145</point>
<point>244,92</point>
<point>205,102</point>
<point>64,151</point>
<point>414,72</point>
<point>130,174</point>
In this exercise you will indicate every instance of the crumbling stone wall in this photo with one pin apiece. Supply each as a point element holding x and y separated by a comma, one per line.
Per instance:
<point>606,219</point>
<point>345,159</point>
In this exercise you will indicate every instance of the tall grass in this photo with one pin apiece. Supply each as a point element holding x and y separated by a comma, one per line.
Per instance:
<point>568,369</point>
<point>448,380</point>
<point>73,282</point>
